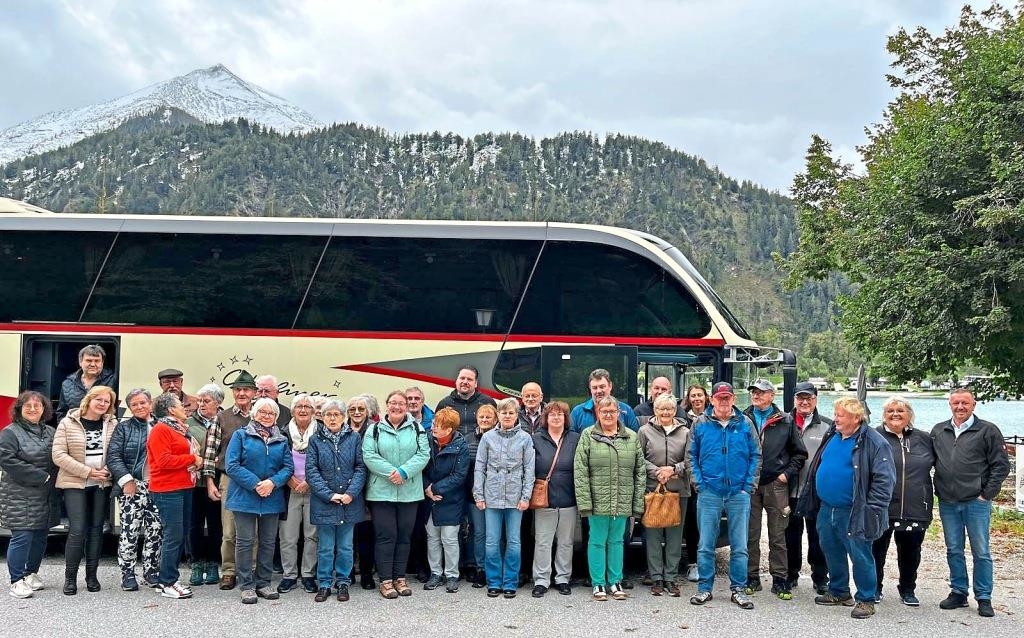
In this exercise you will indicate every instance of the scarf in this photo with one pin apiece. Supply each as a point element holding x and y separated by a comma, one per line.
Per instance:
<point>175,425</point>
<point>300,441</point>
<point>442,442</point>
<point>333,437</point>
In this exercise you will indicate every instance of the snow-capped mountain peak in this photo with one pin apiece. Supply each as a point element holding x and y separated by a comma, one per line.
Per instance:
<point>213,94</point>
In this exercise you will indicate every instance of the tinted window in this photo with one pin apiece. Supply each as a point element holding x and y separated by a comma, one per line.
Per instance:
<point>414,285</point>
<point>592,289</point>
<point>231,281</point>
<point>47,276</point>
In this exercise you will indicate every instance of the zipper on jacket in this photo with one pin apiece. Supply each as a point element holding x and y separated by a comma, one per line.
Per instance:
<point>903,484</point>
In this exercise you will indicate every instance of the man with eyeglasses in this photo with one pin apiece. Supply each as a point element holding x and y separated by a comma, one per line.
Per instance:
<point>812,427</point>
<point>267,386</point>
<point>419,411</point>
<point>172,380</point>
<point>532,400</point>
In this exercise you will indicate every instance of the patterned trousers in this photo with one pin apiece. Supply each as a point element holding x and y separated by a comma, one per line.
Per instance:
<point>139,518</point>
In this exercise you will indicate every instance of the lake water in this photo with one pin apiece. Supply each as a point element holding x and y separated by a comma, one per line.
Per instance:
<point>928,410</point>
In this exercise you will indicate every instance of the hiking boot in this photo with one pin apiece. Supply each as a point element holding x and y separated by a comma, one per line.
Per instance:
<point>753,585</point>
<point>433,582</point>
<point>657,587</point>
<point>343,595</point>
<point>268,593</point>
<point>672,588</point>
<point>600,593</point>
<point>820,587</point>
<point>402,587</point>
<point>198,576</point>
<point>249,597</point>
<point>955,600</point>
<point>647,581</point>
<point>228,582</point>
<point>129,583</point>
<point>781,589</point>
<point>985,609</point>
<point>387,590</point>
<point>322,594</point>
<point>70,585</point>
<point>701,597</point>
<point>831,600</point>
<point>742,600</point>
<point>451,585</point>
<point>863,610</point>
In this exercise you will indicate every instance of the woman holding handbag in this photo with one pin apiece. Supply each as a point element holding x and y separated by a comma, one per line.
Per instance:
<point>554,499</point>
<point>665,439</point>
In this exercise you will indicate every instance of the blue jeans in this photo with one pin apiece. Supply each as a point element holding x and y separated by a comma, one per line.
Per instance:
<point>974,518</point>
<point>502,572</point>
<point>334,551</point>
<point>25,552</point>
<point>175,512</point>
<point>478,541</point>
<point>836,544</point>
<point>710,508</point>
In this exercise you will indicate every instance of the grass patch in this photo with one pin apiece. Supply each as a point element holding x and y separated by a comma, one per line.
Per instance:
<point>1007,521</point>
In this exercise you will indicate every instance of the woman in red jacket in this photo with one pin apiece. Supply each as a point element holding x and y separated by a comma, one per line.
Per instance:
<point>174,464</point>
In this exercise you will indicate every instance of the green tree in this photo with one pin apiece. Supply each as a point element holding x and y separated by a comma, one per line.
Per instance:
<point>932,233</point>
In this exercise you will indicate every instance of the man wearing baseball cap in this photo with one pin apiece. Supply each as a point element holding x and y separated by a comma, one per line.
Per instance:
<point>726,458</point>
<point>171,380</point>
<point>812,427</point>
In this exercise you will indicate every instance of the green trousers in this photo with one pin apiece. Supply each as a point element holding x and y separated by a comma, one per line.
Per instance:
<point>605,549</point>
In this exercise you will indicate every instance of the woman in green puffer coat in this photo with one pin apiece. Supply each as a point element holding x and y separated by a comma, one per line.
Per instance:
<point>610,476</point>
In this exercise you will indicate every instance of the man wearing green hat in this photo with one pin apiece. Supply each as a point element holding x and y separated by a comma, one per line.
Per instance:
<point>217,436</point>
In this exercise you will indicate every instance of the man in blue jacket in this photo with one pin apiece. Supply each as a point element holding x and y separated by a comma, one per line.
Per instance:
<point>583,415</point>
<point>726,461</point>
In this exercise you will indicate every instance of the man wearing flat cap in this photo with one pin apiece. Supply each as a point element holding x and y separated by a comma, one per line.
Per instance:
<point>217,437</point>
<point>171,380</point>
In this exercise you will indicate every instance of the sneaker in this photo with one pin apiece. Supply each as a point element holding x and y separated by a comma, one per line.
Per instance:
<point>831,600</point>
<point>954,601</point>
<point>657,588</point>
<point>21,589</point>
<point>878,598</point>
<point>493,592</point>
<point>909,599</point>
<point>286,585</point>
<point>539,591</point>
<point>322,594</point>
<point>985,608</point>
<point>249,597</point>
<point>820,587</point>
<point>212,573</point>
<point>616,592</point>
<point>402,587</point>
<point>175,590</point>
<point>564,589</point>
<point>781,590</point>
<point>129,583</point>
<point>647,581</point>
<point>34,581</point>
<point>451,585</point>
<point>152,580</point>
<point>742,600</point>
<point>433,582</point>
<point>863,610</point>
<point>480,579</point>
<point>343,595</point>
<point>626,583</point>
<point>309,584</point>
<point>672,588</point>
<point>700,598</point>
<point>198,576</point>
<point>753,585</point>
<point>509,593</point>
<point>268,593</point>
<point>600,593</point>
<point>793,583</point>
<point>692,574</point>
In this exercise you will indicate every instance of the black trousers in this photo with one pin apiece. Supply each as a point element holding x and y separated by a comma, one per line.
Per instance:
<point>795,550</point>
<point>908,555</point>
<point>527,543</point>
<point>366,545</point>
<point>691,532</point>
<point>202,546</point>
<point>393,523</point>
<point>87,511</point>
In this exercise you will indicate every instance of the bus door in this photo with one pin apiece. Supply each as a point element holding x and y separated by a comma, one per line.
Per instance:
<point>683,369</point>
<point>565,371</point>
<point>47,359</point>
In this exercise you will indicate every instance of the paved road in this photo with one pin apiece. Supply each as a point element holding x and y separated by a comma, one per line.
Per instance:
<point>112,613</point>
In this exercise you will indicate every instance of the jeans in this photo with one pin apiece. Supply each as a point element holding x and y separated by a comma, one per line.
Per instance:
<point>972,517</point>
<point>710,507</point>
<point>833,523</point>
<point>87,511</point>
<point>289,530</point>
<point>334,554</point>
<point>25,552</point>
<point>605,549</point>
<point>795,549</point>
<point>908,555</point>
<point>503,571</point>
<point>553,526</point>
<point>393,523</point>
<point>478,539</point>
<point>175,511</point>
<point>259,530</point>
<point>139,519</point>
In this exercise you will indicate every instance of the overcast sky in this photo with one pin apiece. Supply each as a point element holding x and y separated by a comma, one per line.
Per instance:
<point>742,83</point>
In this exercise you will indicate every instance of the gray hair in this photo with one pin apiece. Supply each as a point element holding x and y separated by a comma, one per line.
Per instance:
<point>336,404</point>
<point>599,373</point>
<point>361,398</point>
<point>91,351</point>
<point>300,398</point>
<point>897,399</point>
<point>506,403</point>
<point>164,403</point>
<point>608,400</point>
<point>134,392</point>
<point>266,377</point>
<point>372,407</point>
<point>665,398</point>
<point>265,403</point>
<point>213,391</point>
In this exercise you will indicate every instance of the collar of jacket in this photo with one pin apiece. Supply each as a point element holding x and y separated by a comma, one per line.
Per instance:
<point>275,433</point>
<point>455,396</point>
<point>676,424</point>
<point>512,431</point>
<point>621,432</point>
<point>135,422</point>
<point>774,416</point>
<point>384,423</point>
<point>453,446</point>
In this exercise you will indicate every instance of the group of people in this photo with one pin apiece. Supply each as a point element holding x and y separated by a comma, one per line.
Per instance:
<point>464,491</point>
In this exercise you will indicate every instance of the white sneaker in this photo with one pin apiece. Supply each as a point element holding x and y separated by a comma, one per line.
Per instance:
<point>21,589</point>
<point>34,581</point>
<point>691,574</point>
<point>176,591</point>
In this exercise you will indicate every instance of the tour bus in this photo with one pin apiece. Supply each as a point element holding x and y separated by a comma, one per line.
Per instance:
<point>339,307</point>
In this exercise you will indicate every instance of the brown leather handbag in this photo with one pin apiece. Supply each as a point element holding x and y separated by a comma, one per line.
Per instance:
<point>539,496</point>
<point>661,508</point>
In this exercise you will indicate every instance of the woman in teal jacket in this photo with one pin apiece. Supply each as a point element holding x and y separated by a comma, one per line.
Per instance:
<point>395,452</point>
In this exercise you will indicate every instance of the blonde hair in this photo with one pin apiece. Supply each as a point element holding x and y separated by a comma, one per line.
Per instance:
<point>851,406</point>
<point>95,391</point>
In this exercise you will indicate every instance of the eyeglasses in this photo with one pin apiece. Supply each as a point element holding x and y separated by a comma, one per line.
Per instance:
<point>397,404</point>
<point>804,398</point>
<point>302,407</point>
<point>332,415</point>
<point>266,413</point>
<point>358,408</point>
<point>608,412</point>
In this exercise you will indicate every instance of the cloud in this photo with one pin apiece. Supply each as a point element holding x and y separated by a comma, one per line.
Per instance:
<point>742,83</point>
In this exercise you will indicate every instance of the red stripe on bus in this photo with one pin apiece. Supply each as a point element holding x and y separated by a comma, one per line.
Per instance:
<point>5,409</point>
<point>415,376</point>
<point>356,334</point>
